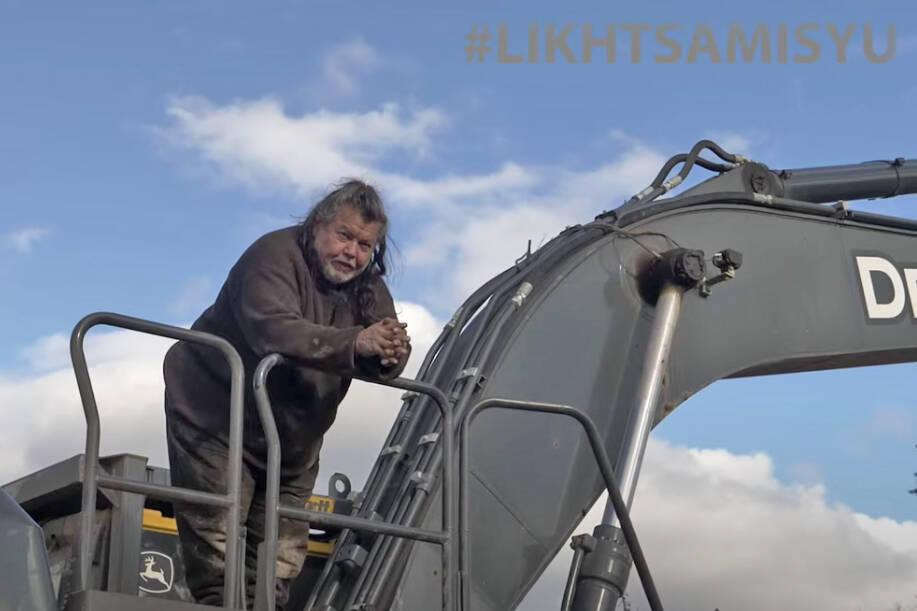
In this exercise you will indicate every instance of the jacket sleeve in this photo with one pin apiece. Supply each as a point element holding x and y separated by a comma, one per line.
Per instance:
<point>267,309</point>
<point>384,308</point>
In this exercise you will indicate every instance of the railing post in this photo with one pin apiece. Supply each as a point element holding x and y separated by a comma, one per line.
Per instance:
<point>267,556</point>
<point>595,441</point>
<point>231,499</point>
<point>272,494</point>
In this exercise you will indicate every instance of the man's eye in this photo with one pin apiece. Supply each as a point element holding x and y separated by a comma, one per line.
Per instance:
<point>366,246</point>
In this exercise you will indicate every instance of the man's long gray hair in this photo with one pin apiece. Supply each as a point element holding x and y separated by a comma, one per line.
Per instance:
<point>363,198</point>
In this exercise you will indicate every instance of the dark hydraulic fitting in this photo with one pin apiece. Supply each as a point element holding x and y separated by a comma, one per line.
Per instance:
<point>421,480</point>
<point>605,569</point>
<point>352,557</point>
<point>682,267</point>
<point>727,261</point>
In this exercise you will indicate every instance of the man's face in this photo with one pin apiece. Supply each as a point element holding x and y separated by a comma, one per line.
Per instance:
<point>345,244</point>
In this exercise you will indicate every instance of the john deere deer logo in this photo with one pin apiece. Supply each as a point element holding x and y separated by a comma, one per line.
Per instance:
<point>156,576</point>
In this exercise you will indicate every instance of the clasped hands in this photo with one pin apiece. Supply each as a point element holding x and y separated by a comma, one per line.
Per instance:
<point>387,339</point>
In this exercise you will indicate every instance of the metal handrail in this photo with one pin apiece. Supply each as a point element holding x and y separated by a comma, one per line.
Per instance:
<point>273,509</point>
<point>92,479</point>
<point>630,535</point>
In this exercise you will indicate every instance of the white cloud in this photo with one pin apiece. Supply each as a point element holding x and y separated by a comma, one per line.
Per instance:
<point>479,245</point>
<point>345,63</point>
<point>733,142</point>
<point>508,180</point>
<point>47,353</point>
<point>53,351</point>
<point>720,531</point>
<point>23,240</point>
<point>196,293</point>
<point>43,415</point>
<point>899,536</point>
<point>895,423</point>
<point>256,144</point>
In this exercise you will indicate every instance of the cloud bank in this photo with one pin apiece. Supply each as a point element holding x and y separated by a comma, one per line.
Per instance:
<point>720,531</point>
<point>23,240</point>
<point>260,146</point>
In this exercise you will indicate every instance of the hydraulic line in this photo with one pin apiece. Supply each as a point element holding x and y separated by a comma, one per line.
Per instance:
<point>444,337</point>
<point>378,488</point>
<point>405,509</point>
<point>370,567</point>
<point>631,216</point>
<point>680,158</point>
<point>412,410</point>
<point>469,385</point>
<point>326,588</point>
<point>395,515</point>
<point>418,500</point>
<point>658,187</point>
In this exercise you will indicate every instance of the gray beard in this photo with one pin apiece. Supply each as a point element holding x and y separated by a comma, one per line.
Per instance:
<point>334,275</point>
<point>315,264</point>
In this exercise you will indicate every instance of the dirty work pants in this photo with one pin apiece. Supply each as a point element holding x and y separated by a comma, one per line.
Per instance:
<point>199,460</point>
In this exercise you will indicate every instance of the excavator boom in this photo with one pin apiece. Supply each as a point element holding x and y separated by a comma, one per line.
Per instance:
<point>820,286</point>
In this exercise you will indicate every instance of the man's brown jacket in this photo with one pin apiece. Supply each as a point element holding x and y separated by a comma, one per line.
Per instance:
<point>273,302</point>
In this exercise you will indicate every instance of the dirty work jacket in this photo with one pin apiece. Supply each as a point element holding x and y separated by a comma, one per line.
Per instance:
<point>273,302</point>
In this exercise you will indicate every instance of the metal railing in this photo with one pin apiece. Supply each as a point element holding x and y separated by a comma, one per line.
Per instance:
<point>607,472</point>
<point>94,478</point>
<point>267,557</point>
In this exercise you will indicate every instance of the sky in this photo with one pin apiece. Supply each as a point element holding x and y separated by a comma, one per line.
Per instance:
<point>144,147</point>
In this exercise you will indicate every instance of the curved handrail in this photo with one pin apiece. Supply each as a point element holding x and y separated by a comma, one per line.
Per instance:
<point>595,441</point>
<point>268,558</point>
<point>91,478</point>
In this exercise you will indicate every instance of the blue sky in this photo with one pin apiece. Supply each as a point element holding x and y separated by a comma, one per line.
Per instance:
<point>143,148</point>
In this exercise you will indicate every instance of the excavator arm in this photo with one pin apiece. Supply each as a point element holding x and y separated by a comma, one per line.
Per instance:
<point>751,272</point>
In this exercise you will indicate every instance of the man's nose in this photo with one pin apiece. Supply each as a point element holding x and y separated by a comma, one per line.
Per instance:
<point>350,250</point>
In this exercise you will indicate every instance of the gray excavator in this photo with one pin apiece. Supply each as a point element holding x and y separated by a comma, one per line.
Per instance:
<point>539,395</point>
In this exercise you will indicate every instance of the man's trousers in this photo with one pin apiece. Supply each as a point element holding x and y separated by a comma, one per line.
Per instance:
<point>199,460</point>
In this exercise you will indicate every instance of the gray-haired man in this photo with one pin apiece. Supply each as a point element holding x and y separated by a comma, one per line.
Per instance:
<point>313,293</point>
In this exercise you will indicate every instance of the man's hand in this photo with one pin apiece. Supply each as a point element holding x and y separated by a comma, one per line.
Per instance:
<point>401,342</point>
<point>386,339</point>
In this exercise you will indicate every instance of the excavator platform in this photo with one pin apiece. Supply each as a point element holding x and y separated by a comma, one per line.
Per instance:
<point>137,560</point>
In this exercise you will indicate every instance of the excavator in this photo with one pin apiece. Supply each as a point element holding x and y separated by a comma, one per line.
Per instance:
<point>538,396</point>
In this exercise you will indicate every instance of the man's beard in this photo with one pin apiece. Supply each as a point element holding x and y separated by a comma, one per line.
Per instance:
<point>330,278</point>
<point>336,275</point>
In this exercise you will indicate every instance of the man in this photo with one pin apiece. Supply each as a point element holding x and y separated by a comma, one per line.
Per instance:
<point>313,293</point>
